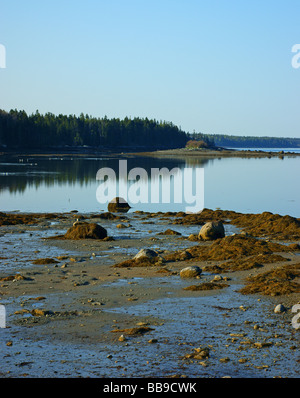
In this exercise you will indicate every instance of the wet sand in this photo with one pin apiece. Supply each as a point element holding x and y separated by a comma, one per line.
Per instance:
<point>78,315</point>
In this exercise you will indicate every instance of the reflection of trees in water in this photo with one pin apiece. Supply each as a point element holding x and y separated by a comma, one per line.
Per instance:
<point>198,161</point>
<point>49,172</point>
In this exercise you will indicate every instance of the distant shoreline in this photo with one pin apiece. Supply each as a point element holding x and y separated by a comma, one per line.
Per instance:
<point>124,152</point>
<point>220,152</point>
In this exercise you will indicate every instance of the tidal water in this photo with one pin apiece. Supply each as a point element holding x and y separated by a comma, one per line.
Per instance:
<point>62,184</point>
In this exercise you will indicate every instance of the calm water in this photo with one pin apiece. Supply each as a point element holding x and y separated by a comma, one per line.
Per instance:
<point>294,150</point>
<point>54,184</point>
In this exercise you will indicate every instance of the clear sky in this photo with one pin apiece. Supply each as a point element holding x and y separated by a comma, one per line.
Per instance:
<point>213,66</point>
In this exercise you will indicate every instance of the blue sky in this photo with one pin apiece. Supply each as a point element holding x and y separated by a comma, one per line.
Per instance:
<point>214,66</point>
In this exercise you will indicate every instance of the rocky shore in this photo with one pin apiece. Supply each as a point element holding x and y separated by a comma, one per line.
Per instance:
<point>163,153</point>
<point>149,294</point>
<point>215,152</point>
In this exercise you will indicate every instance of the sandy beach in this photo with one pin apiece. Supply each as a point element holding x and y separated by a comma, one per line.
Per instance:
<point>82,308</point>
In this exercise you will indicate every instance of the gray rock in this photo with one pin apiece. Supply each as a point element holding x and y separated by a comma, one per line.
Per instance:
<point>217,278</point>
<point>146,253</point>
<point>212,230</point>
<point>279,309</point>
<point>190,272</point>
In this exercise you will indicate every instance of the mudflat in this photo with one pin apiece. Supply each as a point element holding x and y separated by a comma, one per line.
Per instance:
<point>90,308</point>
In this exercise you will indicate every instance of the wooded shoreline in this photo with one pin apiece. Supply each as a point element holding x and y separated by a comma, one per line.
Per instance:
<point>133,151</point>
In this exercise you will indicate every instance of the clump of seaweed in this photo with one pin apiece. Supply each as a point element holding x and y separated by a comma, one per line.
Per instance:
<point>280,281</point>
<point>44,261</point>
<point>242,264</point>
<point>206,286</point>
<point>273,225</point>
<point>137,331</point>
<point>201,218</point>
<point>30,219</point>
<point>230,248</point>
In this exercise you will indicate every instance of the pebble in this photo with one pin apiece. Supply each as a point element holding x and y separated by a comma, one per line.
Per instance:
<point>218,278</point>
<point>151,341</point>
<point>279,309</point>
<point>224,359</point>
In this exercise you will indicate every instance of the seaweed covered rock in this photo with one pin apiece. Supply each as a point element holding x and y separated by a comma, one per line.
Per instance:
<point>118,205</point>
<point>140,262</point>
<point>84,230</point>
<point>212,230</point>
<point>144,258</point>
<point>169,232</point>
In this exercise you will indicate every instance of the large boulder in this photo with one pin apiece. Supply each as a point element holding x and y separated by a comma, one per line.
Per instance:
<point>84,230</point>
<point>211,231</point>
<point>148,253</point>
<point>117,205</point>
<point>190,272</point>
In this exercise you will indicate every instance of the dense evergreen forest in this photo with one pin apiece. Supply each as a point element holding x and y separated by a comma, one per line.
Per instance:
<point>19,130</point>
<point>36,131</point>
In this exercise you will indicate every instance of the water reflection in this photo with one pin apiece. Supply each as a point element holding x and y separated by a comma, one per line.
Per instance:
<point>136,185</point>
<point>62,184</point>
<point>34,172</point>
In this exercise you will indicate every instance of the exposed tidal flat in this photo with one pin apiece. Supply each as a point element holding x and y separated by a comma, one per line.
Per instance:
<point>96,306</point>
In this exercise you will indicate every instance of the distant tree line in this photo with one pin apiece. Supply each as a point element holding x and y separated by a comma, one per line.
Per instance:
<point>249,142</point>
<point>19,130</point>
<point>37,131</point>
